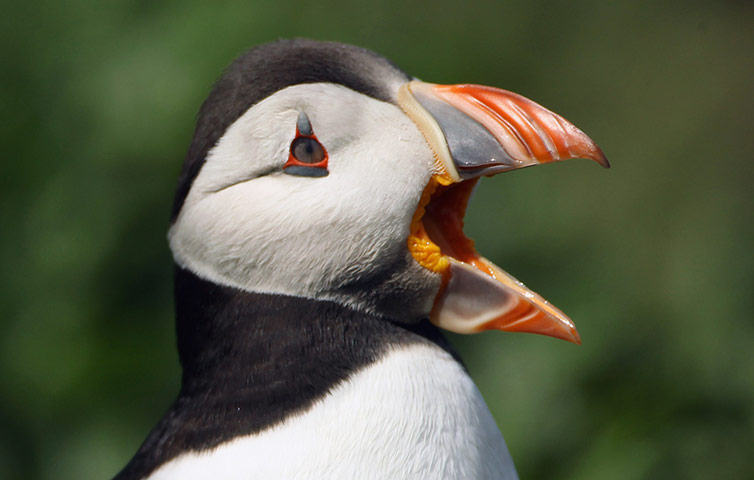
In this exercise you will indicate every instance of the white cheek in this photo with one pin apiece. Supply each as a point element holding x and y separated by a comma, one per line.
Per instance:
<point>299,235</point>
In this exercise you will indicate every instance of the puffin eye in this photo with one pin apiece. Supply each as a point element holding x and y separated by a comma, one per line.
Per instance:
<point>307,150</point>
<point>307,157</point>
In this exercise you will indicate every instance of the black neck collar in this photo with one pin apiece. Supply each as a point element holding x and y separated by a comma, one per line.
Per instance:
<point>251,360</point>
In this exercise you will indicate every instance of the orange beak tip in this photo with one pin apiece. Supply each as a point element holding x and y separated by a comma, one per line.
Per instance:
<point>601,158</point>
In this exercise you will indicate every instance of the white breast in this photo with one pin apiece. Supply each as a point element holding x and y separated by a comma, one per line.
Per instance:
<point>415,414</point>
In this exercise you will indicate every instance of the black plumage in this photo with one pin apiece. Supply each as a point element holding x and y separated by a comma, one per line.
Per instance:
<point>251,360</point>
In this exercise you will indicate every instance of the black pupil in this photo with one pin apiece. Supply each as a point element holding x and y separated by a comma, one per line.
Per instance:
<point>307,150</point>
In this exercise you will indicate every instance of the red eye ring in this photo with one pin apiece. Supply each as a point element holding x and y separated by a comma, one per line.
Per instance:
<point>306,155</point>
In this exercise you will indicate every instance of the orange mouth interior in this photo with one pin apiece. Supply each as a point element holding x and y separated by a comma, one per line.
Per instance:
<point>437,238</point>
<point>437,228</point>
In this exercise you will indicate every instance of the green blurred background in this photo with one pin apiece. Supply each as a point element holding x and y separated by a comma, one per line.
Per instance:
<point>652,259</point>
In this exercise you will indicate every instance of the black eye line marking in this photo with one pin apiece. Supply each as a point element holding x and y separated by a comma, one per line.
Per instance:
<point>263,173</point>
<point>303,129</point>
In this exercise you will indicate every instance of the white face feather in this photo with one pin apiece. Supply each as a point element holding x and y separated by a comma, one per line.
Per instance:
<point>247,224</point>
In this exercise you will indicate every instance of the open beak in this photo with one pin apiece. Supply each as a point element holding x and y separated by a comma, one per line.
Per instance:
<point>474,131</point>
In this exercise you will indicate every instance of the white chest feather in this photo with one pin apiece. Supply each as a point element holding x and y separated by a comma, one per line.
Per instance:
<point>415,414</point>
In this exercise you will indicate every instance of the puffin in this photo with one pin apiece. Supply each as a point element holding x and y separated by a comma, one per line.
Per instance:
<point>318,246</point>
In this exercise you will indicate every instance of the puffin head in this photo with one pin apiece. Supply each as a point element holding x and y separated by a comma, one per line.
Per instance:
<point>321,170</point>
